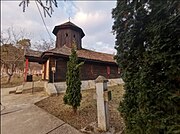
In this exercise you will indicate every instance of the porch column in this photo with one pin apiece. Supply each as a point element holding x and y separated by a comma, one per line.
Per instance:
<point>26,69</point>
<point>43,71</point>
<point>47,70</point>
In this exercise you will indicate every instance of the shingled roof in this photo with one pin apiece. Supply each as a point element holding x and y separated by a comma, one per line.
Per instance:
<point>33,53</point>
<point>34,56</point>
<point>83,53</point>
<point>68,25</point>
<point>66,51</point>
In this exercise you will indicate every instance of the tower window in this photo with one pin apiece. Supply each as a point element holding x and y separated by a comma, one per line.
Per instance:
<point>74,36</point>
<point>66,35</point>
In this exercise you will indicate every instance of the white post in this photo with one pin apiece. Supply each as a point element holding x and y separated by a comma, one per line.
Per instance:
<point>102,103</point>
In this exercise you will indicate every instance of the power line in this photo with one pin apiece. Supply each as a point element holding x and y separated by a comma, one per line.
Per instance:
<point>43,21</point>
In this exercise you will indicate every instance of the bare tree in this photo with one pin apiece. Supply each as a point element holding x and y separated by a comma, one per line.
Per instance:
<point>13,44</point>
<point>24,44</point>
<point>44,45</point>
<point>12,36</point>
<point>47,5</point>
<point>11,58</point>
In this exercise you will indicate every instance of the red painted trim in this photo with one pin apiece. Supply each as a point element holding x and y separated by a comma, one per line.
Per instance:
<point>108,71</point>
<point>26,69</point>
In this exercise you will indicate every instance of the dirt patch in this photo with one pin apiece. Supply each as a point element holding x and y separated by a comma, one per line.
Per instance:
<point>16,80</point>
<point>87,112</point>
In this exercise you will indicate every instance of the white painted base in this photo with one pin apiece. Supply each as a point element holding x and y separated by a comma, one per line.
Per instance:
<point>58,87</point>
<point>88,84</point>
<point>50,89</point>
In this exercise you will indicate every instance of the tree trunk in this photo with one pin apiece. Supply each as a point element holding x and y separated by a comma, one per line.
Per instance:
<point>9,78</point>
<point>75,110</point>
<point>10,74</point>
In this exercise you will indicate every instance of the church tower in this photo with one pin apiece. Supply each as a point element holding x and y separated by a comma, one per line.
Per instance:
<point>67,33</point>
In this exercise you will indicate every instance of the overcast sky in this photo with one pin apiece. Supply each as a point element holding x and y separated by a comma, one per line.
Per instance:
<point>92,16</point>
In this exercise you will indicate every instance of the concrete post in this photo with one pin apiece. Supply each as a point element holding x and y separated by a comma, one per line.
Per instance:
<point>102,103</point>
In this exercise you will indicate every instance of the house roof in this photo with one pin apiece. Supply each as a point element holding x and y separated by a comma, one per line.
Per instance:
<point>83,53</point>
<point>36,56</point>
<point>33,53</point>
<point>68,25</point>
<point>33,56</point>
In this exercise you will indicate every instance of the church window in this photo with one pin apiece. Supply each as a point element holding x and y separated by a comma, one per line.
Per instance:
<point>66,35</point>
<point>91,69</point>
<point>108,70</point>
<point>119,70</point>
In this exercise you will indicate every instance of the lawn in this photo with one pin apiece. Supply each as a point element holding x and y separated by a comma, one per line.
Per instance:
<point>16,80</point>
<point>87,111</point>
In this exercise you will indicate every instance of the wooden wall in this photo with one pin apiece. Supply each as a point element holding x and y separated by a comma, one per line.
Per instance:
<point>66,37</point>
<point>89,71</point>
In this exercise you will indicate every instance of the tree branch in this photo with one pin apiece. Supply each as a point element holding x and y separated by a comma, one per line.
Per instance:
<point>48,8</point>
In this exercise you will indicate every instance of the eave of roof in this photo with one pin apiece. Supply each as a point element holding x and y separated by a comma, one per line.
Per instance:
<point>67,25</point>
<point>34,56</point>
<point>82,54</point>
<point>34,53</point>
<point>35,59</point>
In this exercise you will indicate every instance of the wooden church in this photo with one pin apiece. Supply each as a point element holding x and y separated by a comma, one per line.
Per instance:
<point>54,61</point>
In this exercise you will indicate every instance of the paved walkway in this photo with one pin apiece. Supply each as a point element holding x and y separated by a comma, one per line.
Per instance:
<point>19,115</point>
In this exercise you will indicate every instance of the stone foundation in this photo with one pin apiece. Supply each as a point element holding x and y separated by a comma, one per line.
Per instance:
<point>58,87</point>
<point>88,84</point>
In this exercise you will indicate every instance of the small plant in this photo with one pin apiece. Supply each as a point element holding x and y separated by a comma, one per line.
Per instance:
<point>73,92</point>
